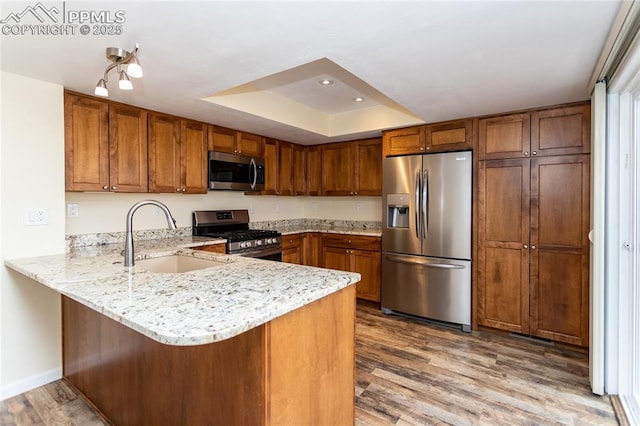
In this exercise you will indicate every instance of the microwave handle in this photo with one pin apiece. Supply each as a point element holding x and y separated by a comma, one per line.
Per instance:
<point>253,169</point>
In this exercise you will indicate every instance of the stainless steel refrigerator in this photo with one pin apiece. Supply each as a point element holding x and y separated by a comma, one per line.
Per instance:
<point>426,236</point>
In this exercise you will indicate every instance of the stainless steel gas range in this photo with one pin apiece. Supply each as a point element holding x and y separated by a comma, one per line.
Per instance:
<point>233,225</point>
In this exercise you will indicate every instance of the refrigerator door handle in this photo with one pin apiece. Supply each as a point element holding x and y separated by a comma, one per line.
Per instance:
<point>417,215</point>
<point>425,203</point>
<point>413,261</point>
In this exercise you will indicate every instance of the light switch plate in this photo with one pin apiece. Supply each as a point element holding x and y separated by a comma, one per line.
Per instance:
<point>36,216</point>
<point>73,210</point>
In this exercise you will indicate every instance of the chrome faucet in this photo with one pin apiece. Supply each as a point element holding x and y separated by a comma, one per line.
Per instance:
<point>128,245</point>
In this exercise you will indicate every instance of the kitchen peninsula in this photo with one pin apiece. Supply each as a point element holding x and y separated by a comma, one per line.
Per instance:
<point>243,342</point>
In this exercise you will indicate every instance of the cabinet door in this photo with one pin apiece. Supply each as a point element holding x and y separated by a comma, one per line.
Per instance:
<point>271,167</point>
<point>292,249</point>
<point>164,153</point>
<point>312,249</point>
<point>335,258</point>
<point>505,137</point>
<point>193,146</point>
<point>560,248</point>
<point>449,136</point>
<point>222,139</point>
<point>367,264</point>
<point>250,145</point>
<point>128,149</point>
<point>285,169</point>
<point>369,167</point>
<point>503,239</point>
<point>338,162</point>
<point>299,174</point>
<point>561,131</point>
<point>313,167</point>
<point>404,141</point>
<point>86,135</point>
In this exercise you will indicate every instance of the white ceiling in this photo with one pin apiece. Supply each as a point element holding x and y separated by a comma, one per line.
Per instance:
<point>433,61</point>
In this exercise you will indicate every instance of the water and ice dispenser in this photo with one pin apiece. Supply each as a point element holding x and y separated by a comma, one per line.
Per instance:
<point>397,210</point>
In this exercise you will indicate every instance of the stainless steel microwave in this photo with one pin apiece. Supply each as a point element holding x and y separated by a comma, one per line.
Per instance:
<point>235,172</point>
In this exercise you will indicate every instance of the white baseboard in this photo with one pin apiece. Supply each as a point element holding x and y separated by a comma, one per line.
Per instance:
<point>29,383</point>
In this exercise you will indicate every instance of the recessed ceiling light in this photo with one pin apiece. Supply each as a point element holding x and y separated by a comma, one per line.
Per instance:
<point>358,99</point>
<point>325,82</point>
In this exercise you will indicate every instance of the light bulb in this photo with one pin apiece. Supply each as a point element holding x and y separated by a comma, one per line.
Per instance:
<point>124,83</point>
<point>134,69</point>
<point>101,88</point>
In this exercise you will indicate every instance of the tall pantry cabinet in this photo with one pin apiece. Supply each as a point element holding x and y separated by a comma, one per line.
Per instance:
<point>533,223</point>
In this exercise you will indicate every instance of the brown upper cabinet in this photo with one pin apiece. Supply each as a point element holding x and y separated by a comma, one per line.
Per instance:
<point>299,170</point>
<point>507,136</point>
<point>561,131</point>
<point>313,169</point>
<point>234,142</point>
<point>554,131</point>
<point>177,155</point>
<point>278,159</point>
<point>446,136</point>
<point>105,146</point>
<point>352,168</point>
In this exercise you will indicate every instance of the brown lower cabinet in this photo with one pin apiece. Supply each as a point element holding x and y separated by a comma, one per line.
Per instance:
<point>294,370</point>
<point>355,253</point>
<point>533,248</point>
<point>213,248</point>
<point>292,248</point>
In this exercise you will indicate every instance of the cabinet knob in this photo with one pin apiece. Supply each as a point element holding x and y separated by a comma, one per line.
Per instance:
<point>533,247</point>
<point>526,153</point>
<point>421,148</point>
<point>113,188</point>
<point>525,246</point>
<point>184,189</point>
<point>428,148</point>
<point>177,189</point>
<point>349,241</point>
<point>534,152</point>
<point>105,187</point>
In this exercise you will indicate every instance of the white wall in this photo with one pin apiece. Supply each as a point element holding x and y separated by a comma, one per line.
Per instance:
<point>31,176</point>
<point>106,212</point>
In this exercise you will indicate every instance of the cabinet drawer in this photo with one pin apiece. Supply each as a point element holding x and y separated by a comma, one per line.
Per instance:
<point>290,241</point>
<point>213,248</point>
<point>359,242</point>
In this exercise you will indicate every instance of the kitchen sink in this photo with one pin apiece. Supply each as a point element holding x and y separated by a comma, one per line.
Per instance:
<point>176,264</point>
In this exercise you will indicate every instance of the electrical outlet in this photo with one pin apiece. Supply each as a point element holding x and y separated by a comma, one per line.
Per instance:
<point>36,216</point>
<point>358,207</point>
<point>314,206</point>
<point>73,210</point>
<point>278,207</point>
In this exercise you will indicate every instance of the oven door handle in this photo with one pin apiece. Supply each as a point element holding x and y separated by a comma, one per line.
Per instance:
<point>260,252</point>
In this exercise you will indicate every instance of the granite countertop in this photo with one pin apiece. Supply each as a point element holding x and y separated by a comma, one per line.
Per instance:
<point>192,308</point>
<point>297,229</point>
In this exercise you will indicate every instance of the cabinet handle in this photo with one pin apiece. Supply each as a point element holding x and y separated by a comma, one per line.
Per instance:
<point>525,246</point>
<point>106,188</point>
<point>526,153</point>
<point>534,152</point>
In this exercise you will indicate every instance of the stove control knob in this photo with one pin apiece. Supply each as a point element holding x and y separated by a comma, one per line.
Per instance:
<point>243,244</point>
<point>259,242</point>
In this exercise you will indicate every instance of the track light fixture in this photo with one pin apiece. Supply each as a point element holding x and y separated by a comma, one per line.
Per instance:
<point>120,59</point>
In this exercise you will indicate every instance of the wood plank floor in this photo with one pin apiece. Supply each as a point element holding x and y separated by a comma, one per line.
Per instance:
<point>412,373</point>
